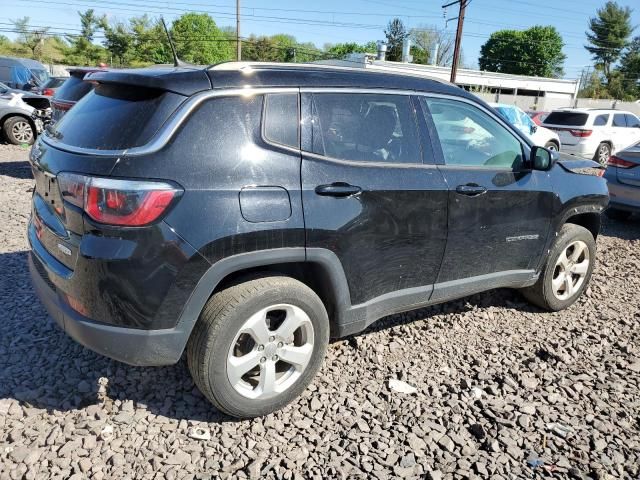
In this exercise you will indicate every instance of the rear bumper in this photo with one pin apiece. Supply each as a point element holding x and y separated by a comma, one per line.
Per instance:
<point>583,150</point>
<point>128,345</point>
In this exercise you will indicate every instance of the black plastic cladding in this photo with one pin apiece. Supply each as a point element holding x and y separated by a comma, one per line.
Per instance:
<point>408,239</point>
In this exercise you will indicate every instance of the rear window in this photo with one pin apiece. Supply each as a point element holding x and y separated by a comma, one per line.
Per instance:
<point>114,118</point>
<point>576,119</point>
<point>73,89</point>
<point>619,121</point>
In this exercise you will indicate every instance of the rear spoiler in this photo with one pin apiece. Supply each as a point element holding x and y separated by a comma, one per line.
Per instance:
<point>183,81</point>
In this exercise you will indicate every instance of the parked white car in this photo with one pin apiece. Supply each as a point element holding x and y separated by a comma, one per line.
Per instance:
<point>594,133</point>
<point>518,118</point>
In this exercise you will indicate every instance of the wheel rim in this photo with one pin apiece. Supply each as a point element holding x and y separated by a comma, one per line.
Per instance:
<point>270,351</point>
<point>571,270</point>
<point>22,132</point>
<point>552,147</point>
<point>603,154</point>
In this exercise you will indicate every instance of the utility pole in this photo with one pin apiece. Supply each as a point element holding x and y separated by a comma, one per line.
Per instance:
<point>238,42</point>
<point>456,52</point>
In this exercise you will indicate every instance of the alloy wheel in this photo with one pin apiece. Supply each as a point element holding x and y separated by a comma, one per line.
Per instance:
<point>570,270</point>
<point>270,351</point>
<point>22,131</point>
<point>603,154</point>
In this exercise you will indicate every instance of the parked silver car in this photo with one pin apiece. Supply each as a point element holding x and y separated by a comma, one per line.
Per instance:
<point>623,179</point>
<point>23,115</point>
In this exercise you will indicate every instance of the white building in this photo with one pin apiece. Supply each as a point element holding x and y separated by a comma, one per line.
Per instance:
<point>475,80</point>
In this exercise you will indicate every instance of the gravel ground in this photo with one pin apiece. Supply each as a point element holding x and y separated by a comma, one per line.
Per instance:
<point>502,390</point>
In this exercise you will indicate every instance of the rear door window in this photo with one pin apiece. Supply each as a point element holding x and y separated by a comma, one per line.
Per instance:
<point>632,121</point>
<point>574,119</point>
<point>601,120</point>
<point>619,120</point>
<point>365,127</point>
<point>115,117</point>
<point>280,121</point>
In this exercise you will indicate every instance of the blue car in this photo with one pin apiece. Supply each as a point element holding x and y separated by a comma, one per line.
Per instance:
<point>623,179</point>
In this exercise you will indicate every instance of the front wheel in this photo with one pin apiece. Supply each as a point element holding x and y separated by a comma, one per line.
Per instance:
<point>258,344</point>
<point>567,270</point>
<point>19,131</point>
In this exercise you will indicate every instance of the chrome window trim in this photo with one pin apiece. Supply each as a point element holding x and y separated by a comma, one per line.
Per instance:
<point>170,127</point>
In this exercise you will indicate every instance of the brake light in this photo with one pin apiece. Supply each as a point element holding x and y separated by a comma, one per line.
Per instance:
<point>48,92</point>
<point>620,163</point>
<point>581,133</point>
<point>111,201</point>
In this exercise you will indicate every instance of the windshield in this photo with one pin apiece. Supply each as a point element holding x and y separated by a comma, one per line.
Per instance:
<point>41,76</point>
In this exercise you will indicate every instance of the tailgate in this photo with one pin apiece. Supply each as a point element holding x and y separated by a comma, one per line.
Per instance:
<point>57,225</point>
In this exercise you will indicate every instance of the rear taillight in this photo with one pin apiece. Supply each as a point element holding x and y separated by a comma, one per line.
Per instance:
<point>48,92</point>
<point>128,203</point>
<point>63,106</point>
<point>581,133</point>
<point>620,163</point>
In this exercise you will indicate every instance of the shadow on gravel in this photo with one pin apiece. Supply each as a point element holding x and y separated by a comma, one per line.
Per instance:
<point>502,298</point>
<point>41,367</point>
<point>20,170</point>
<point>624,230</point>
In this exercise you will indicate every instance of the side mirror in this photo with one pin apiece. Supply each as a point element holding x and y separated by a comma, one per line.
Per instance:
<point>534,129</point>
<point>543,159</point>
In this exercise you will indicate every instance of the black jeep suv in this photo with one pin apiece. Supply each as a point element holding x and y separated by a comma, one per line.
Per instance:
<point>248,212</point>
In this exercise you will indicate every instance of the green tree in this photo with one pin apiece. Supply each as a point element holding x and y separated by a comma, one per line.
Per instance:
<point>30,39</point>
<point>199,40</point>
<point>424,38</point>
<point>82,50</point>
<point>536,51</point>
<point>609,35</point>
<point>118,40</point>
<point>342,50</point>
<point>395,33</point>
<point>630,69</point>
<point>150,43</point>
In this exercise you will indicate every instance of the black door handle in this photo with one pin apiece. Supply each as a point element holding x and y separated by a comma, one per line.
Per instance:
<point>337,189</point>
<point>471,189</point>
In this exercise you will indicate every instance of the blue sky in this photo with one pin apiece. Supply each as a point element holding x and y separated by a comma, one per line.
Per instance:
<point>332,21</point>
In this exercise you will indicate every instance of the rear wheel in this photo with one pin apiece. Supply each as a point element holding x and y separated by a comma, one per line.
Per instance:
<point>19,131</point>
<point>258,344</point>
<point>567,270</point>
<point>616,214</point>
<point>551,146</point>
<point>603,153</point>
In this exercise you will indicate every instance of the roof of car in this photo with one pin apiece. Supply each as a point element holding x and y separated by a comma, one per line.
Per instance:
<point>188,80</point>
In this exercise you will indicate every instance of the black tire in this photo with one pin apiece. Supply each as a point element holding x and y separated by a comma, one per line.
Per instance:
<point>541,293</point>
<point>603,152</point>
<point>13,136</point>
<point>222,319</point>
<point>615,214</point>
<point>552,146</point>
